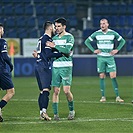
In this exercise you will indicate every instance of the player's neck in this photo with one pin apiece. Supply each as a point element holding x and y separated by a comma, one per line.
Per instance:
<point>105,31</point>
<point>48,33</point>
<point>62,33</point>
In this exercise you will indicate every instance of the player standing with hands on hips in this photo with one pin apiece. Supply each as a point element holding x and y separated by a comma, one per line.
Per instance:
<point>105,55</point>
<point>5,75</point>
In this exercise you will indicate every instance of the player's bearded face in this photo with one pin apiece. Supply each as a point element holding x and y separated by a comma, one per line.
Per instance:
<point>1,31</point>
<point>53,30</point>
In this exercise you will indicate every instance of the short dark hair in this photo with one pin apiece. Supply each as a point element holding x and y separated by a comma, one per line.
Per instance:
<point>61,20</point>
<point>1,24</point>
<point>47,24</point>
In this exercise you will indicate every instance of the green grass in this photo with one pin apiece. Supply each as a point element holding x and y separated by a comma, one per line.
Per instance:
<point>21,115</point>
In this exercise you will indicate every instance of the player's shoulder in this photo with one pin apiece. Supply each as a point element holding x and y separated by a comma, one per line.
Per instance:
<point>113,32</point>
<point>68,34</point>
<point>2,40</point>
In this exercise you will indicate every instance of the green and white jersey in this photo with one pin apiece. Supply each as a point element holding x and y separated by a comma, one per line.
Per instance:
<point>105,41</point>
<point>64,44</point>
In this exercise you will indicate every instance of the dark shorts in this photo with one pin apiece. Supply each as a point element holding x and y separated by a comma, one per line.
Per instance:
<point>5,80</point>
<point>43,76</point>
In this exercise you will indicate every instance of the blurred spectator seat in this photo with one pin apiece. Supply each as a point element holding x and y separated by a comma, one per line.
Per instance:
<point>23,33</point>
<point>130,21</point>
<point>8,9</point>
<point>130,9</point>
<point>19,9</point>
<point>122,20</point>
<point>60,9</point>
<point>20,21</point>
<point>28,10</point>
<point>10,22</point>
<point>122,8</point>
<point>30,21</point>
<point>41,21</point>
<point>50,9</point>
<point>129,46</point>
<point>12,33</point>
<point>73,21</point>
<point>33,33</point>
<point>70,9</point>
<point>39,9</point>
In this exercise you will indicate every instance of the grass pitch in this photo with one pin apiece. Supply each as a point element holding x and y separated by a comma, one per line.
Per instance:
<point>21,115</point>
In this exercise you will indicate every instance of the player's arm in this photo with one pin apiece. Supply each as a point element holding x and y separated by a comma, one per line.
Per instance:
<point>5,56</point>
<point>121,44</point>
<point>64,49</point>
<point>88,44</point>
<point>50,54</point>
<point>7,60</point>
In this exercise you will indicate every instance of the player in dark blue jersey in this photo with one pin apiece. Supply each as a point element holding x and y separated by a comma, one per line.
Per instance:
<point>43,72</point>
<point>5,75</point>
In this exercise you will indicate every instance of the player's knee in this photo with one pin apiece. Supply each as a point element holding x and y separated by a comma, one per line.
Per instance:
<point>102,75</point>
<point>56,92</point>
<point>11,92</point>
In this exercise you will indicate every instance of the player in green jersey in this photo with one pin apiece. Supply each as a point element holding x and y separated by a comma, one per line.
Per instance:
<point>62,67</point>
<point>105,55</point>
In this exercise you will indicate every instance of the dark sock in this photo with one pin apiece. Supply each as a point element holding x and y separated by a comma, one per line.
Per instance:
<point>45,99</point>
<point>40,101</point>
<point>2,103</point>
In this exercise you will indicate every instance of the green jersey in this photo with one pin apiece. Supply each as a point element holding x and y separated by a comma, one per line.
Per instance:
<point>64,44</point>
<point>105,41</point>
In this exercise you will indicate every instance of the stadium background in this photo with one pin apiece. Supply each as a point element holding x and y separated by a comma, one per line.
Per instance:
<point>23,22</point>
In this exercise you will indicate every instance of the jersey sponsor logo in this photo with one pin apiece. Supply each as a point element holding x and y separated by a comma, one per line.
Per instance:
<point>60,42</point>
<point>105,37</point>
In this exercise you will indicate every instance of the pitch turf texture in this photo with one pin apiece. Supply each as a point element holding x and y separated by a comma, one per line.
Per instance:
<point>21,115</point>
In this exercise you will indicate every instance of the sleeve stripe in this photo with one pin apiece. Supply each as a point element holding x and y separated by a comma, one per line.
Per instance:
<point>47,47</point>
<point>119,38</point>
<point>3,51</point>
<point>90,38</point>
<point>69,44</point>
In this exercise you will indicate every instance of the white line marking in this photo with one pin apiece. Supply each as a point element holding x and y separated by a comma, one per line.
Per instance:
<point>63,101</point>
<point>63,120</point>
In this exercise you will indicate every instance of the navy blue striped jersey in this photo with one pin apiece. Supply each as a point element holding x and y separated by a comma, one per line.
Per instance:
<point>45,53</point>
<point>4,58</point>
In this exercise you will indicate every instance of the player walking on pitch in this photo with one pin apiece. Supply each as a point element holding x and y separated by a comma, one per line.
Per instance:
<point>105,55</point>
<point>5,75</point>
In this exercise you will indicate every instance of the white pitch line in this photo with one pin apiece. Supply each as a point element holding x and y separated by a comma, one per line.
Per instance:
<point>35,100</point>
<point>63,120</point>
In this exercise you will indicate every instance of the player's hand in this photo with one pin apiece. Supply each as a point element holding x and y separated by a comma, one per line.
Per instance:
<point>113,52</point>
<point>11,68</point>
<point>66,55</point>
<point>50,44</point>
<point>34,54</point>
<point>97,51</point>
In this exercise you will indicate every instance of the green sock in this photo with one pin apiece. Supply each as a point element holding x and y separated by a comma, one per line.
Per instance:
<point>55,108</point>
<point>71,105</point>
<point>102,86</point>
<point>115,86</point>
